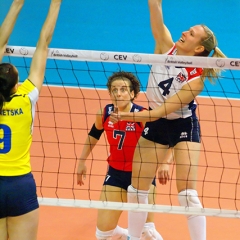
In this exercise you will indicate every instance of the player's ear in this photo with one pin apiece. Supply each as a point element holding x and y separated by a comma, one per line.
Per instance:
<point>199,49</point>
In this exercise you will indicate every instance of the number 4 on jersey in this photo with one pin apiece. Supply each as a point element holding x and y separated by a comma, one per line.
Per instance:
<point>165,86</point>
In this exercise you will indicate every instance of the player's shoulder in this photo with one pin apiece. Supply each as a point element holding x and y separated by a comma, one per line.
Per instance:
<point>26,87</point>
<point>137,108</point>
<point>108,109</point>
<point>194,72</point>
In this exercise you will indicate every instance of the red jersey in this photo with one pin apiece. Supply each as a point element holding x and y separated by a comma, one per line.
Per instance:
<point>122,138</point>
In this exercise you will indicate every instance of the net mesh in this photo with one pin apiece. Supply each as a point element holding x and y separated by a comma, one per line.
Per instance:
<point>75,89</point>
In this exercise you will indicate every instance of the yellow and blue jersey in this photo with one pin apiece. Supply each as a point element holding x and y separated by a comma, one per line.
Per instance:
<point>16,126</point>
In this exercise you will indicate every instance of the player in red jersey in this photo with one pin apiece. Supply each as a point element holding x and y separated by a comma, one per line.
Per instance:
<point>122,137</point>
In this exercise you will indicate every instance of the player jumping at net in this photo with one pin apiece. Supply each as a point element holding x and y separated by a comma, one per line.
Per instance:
<point>123,88</point>
<point>19,209</point>
<point>172,122</point>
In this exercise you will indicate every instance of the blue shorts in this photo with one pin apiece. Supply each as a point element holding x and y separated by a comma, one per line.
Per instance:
<point>118,178</point>
<point>170,132</point>
<point>17,195</point>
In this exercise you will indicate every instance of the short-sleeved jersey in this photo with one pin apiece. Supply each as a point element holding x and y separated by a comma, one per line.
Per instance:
<point>165,81</point>
<point>122,138</point>
<point>16,125</point>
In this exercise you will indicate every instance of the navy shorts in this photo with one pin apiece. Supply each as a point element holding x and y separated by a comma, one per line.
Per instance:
<point>170,132</point>
<point>121,179</point>
<point>17,195</point>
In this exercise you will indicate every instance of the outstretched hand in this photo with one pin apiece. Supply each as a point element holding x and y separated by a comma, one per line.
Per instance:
<point>19,1</point>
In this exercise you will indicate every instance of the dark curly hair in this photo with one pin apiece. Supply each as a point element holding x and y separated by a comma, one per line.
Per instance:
<point>135,84</point>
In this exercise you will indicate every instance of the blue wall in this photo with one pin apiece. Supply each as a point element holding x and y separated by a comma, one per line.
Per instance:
<point>112,25</point>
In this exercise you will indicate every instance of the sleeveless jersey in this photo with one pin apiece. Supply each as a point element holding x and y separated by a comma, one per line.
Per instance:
<point>122,138</point>
<point>16,125</point>
<point>165,81</point>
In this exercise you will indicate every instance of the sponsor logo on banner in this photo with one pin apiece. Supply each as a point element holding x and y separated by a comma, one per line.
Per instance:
<point>9,50</point>
<point>137,58</point>
<point>104,56</point>
<point>23,51</point>
<point>57,53</point>
<point>120,57</point>
<point>177,62</point>
<point>220,63</point>
<point>235,63</point>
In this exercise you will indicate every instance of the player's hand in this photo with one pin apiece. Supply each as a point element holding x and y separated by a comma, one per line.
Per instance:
<point>81,172</point>
<point>163,173</point>
<point>19,1</point>
<point>115,115</point>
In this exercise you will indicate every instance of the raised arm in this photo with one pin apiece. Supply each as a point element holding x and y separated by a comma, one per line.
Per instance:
<point>8,25</point>
<point>160,32</point>
<point>184,96</point>
<point>38,65</point>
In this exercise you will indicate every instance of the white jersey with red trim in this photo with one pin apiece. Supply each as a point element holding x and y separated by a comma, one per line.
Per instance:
<point>165,81</point>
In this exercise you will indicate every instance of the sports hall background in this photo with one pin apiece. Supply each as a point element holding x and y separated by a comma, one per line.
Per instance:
<point>123,26</point>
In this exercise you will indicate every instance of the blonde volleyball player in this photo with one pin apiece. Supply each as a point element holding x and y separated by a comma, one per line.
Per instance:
<point>122,137</point>
<point>18,199</point>
<point>172,122</point>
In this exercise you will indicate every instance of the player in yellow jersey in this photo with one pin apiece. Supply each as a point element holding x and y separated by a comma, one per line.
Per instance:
<point>18,199</point>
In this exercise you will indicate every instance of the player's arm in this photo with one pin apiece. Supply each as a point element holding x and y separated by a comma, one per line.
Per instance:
<point>8,25</point>
<point>187,93</point>
<point>90,142</point>
<point>160,32</point>
<point>38,65</point>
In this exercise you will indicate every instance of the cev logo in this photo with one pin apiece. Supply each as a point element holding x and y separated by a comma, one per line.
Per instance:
<point>9,50</point>
<point>120,57</point>
<point>235,63</point>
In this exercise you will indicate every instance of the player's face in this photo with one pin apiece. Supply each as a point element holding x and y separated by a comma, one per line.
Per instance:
<point>121,94</point>
<point>189,43</point>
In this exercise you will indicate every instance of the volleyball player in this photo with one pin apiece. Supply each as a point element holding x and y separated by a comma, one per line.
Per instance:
<point>123,87</point>
<point>171,92</point>
<point>18,200</point>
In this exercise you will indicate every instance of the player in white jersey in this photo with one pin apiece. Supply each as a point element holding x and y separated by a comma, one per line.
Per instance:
<point>19,207</point>
<point>172,120</point>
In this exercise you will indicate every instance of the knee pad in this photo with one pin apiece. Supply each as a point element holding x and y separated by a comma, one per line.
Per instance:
<point>189,198</point>
<point>137,196</point>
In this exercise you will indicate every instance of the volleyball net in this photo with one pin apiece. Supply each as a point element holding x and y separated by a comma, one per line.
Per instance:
<point>75,89</point>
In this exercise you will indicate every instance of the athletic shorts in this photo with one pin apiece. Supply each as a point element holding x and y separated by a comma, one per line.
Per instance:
<point>118,178</point>
<point>171,132</point>
<point>17,195</point>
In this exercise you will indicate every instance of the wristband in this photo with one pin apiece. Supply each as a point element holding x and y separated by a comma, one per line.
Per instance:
<point>96,133</point>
